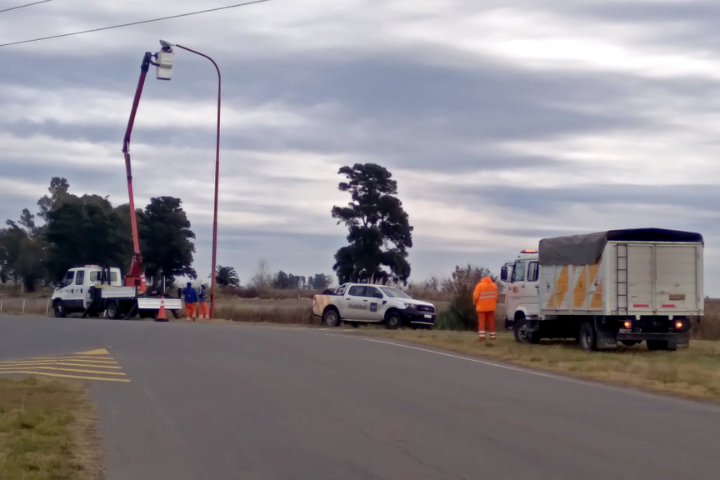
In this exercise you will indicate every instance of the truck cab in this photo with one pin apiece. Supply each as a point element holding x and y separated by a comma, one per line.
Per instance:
<point>74,293</point>
<point>522,298</point>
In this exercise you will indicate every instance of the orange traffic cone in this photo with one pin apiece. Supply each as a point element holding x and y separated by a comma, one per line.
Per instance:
<point>161,317</point>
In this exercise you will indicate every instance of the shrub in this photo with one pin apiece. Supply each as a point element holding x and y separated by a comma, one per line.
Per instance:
<point>461,313</point>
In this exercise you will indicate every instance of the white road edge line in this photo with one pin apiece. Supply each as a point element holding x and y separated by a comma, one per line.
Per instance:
<point>468,359</point>
<point>618,388</point>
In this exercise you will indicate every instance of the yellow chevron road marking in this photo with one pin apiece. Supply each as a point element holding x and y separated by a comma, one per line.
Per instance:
<point>60,369</point>
<point>65,364</point>
<point>100,351</point>
<point>95,365</point>
<point>57,375</point>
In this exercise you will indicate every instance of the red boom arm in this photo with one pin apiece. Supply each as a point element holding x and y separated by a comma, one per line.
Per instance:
<point>136,277</point>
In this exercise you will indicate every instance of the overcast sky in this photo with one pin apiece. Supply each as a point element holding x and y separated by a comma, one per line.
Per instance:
<point>503,121</point>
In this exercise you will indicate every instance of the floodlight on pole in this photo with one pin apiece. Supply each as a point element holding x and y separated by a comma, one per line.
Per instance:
<point>165,62</point>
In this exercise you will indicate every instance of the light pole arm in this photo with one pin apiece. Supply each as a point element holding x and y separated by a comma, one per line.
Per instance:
<point>217,178</point>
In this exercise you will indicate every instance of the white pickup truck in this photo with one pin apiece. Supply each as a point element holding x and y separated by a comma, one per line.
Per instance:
<point>357,303</point>
<point>94,290</point>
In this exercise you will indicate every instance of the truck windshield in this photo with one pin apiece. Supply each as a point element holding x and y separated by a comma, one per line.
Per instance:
<point>394,292</point>
<point>519,272</point>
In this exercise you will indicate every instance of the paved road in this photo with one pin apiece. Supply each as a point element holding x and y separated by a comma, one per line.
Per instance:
<point>244,402</point>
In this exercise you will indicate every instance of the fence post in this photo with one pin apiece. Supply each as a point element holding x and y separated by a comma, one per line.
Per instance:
<point>23,311</point>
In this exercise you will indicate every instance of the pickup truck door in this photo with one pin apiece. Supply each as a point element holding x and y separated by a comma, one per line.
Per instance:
<point>378,305</point>
<point>355,306</point>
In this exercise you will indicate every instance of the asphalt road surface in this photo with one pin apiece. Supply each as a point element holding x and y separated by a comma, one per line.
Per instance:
<point>247,402</point>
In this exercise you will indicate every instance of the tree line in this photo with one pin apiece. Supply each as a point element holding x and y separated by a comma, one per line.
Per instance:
<point>70,230</point>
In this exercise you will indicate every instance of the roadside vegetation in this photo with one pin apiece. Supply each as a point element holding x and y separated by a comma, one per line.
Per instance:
<point>47,431</point>
<point>692,372</point>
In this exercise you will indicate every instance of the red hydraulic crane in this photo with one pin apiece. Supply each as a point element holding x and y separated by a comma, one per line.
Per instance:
<point>136,276</point>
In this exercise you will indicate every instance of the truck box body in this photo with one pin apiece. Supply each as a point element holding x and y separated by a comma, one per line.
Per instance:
<point>632,273</point>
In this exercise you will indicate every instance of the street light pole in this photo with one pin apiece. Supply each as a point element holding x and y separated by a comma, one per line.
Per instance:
<point>217,179</point>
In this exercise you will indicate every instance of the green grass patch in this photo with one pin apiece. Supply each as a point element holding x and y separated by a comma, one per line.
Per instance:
<point>47,431</point>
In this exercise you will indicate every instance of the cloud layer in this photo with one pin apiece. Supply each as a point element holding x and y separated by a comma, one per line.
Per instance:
<point>503,122</point>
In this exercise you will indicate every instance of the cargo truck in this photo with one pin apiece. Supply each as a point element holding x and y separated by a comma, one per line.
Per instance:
<point>625,286</point>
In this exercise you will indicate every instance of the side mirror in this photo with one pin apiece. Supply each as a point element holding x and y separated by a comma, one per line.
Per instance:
<point>504,274</point>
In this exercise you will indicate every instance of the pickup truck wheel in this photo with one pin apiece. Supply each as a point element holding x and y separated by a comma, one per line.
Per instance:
<point>629,343</point>
<point>112,310</point>
<point>331,318</point>
<point>393,321</point>
<point>588,338</point>
<point>59,309</point>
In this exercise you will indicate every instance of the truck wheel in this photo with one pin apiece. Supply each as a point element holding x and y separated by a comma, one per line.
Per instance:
<point>629,343</point>
<point>331,318</point>
<point>588,337</point>
<point>393,321</point>
<point>112,310</point>
<point>521,330</point>
<point>59,309</point>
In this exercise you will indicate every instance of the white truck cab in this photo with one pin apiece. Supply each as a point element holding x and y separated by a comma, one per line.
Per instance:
<point>93,290</point>
<point>74,295</point>
<point>357,303</point>
<point>522,292</point>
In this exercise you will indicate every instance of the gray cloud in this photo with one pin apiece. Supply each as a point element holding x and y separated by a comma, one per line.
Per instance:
<point>494,145</point>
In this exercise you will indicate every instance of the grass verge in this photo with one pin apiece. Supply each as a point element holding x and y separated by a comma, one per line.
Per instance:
<point>692,372</point>
<point>47,431</point>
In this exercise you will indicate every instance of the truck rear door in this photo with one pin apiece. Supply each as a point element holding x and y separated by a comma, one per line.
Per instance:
<point>662,278</point>
<point>677,278</point>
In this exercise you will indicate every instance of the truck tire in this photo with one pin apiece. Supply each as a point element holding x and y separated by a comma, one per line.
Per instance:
<point>521,330</point>
<point>112,310</point>
<point>629,343</point>
<point>655,345</point>
<point>331,318</point>
<point>588,337</point>
<point>393,321</point>
<point>59,309</point>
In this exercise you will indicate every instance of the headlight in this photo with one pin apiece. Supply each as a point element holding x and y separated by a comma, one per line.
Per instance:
<point>410,305</point>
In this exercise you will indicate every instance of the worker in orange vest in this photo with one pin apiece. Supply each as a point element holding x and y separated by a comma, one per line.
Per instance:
<point>485,299</point>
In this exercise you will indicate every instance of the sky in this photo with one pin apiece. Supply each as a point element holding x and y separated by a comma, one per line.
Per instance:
<point>503,122</point>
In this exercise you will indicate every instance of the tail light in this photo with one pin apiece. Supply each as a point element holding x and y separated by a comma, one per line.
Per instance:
<point>679,325</point>
<point>627,324</point>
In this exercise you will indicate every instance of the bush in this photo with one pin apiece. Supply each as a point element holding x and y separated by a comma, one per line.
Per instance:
<point>461,313</point>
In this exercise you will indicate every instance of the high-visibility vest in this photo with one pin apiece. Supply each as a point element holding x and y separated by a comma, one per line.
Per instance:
<point>485,296</point>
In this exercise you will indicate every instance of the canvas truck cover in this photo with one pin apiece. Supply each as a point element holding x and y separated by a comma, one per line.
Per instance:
<point>588,249</point>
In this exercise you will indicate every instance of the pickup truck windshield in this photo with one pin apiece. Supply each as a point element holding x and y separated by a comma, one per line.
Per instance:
<point>394,292</point>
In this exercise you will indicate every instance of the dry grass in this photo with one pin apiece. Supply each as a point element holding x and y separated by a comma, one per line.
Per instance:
<point>708,327</point>
<point>693,372</point>
<point>47,431</point>
<point>33,306</point>
<point>289,311</point>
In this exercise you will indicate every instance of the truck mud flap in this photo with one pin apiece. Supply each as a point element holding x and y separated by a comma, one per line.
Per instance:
<point>606,338</point>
